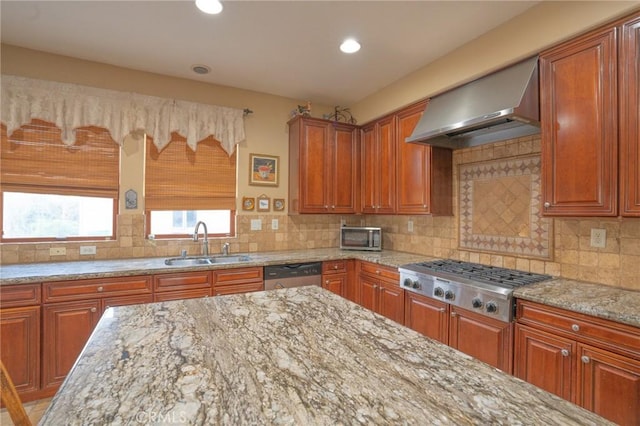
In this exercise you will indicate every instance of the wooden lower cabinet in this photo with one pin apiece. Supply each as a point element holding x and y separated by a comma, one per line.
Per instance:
<point>380,290</point>
<point>592,362</point>
<point>237,280</point>
<point>338,277</point>
<point>66,329</point>
<point>486,339</point>
<point>427,316</point>
<point>20,347</point>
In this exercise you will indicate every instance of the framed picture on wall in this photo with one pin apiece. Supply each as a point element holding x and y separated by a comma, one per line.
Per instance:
<point>264,203</point>
<point>278,204</point>
<point>264,170</point>
<point>248,203</point>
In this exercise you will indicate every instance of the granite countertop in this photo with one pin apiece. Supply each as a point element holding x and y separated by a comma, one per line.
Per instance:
<point>587,298</point>
<point>299,356</point>
<point>58,271</point>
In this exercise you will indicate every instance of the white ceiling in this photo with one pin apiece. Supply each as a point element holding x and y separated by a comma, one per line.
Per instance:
<point>286,48</point>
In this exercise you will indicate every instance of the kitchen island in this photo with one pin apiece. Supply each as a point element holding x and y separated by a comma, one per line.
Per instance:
<point>298,356</point>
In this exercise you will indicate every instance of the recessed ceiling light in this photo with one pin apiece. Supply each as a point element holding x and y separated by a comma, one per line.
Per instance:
<point>200,69</point>
<point>350,46</point>
<point>212,7</point>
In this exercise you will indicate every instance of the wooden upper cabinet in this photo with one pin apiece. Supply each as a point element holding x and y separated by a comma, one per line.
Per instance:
<point>323,166</point>
<point>578,104</point>
<point>629,121</point>
<point>424,173</point>
<point>377,160</point>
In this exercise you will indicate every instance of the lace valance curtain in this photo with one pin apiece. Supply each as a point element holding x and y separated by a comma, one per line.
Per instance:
<point>70,106</point>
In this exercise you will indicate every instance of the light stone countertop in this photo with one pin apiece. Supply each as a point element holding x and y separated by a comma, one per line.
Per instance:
<point>587,298</point>
<point>59,271</point>
<point>300,356</point>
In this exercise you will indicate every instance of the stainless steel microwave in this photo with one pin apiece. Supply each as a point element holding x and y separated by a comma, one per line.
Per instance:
<point>360,238</point>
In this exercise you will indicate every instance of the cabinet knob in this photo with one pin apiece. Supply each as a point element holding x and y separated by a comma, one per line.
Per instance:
<point>585,359</point>
<point>333,207</point>
<point>335,266</point>
<point>575,327</point>
<point>100,289</point>
<point>94,309</point>
<point>375,287</point>
<point>564,352</point>
<point>424,206</point>
<point>326,282</point>
<point>378,271</point>
<point>453,314</point>
<point>547,204</point>
<point>441,310</point>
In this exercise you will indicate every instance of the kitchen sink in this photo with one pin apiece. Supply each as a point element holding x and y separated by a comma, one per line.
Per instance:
<point>205,260</point>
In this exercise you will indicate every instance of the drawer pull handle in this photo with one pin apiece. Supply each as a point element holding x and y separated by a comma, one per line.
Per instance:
<point>378,271</point>
<point>585,359</point>
<point>326,282</point>
<point>575,327</point>
<point>100,289</point>
<point>453,314</point>
<point>564,352</point>
<point>94,309</point>
<point>335,266</point>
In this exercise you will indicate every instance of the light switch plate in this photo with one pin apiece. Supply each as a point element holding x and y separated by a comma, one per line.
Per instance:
<point>410,226</point>
<point>256,224</point>
<point>87,250</point>
<point>274,224</point>
<point>598,237</point>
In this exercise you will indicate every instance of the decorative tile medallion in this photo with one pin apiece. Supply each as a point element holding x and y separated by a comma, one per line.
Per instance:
<point>500,208</point>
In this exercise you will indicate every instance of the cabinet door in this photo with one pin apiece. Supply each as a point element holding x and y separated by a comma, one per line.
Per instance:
<point>315,169</point>
<point>412,166</point>
<point>579,127</point>
<point>66,329</point>
<point>482,337</point>
<point>391,302</point>
<point>20,346</point>
<point>368,292</point>
<point>427,316</point>
<point>545,360</point>
<point>629,118</point>
<point>369,168</point>
<point>336,283</point>
<point>385,170</point>
<point>342,178</point>
<point>609,385</point>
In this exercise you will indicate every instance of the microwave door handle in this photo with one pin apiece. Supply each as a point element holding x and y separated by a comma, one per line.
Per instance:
<point>370,238</point>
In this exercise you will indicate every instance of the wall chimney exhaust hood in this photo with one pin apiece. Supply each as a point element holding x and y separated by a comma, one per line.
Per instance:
<point>499,106</point>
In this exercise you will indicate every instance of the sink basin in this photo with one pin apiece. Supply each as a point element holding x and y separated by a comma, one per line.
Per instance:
<point>205,260</point>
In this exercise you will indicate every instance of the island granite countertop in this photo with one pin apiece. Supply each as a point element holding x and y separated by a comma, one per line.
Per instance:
<point>73,270</point>
<point>299,356</point>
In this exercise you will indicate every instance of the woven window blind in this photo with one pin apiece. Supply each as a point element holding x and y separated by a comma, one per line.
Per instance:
<point>34,159</point>
<point>178,178</point>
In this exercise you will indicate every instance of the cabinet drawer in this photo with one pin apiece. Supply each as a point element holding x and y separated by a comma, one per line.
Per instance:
<point>334,266</point>
<point>237,276</point>
<point>182,281</point>
<point>95,288</point>
<point>19,295</point>
<point>221,290</point>
<point>616,336</point>
<point>376,270</point>
<point>182,294</point>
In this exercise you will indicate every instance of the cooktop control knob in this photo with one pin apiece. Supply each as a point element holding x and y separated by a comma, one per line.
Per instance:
<point>438,292</point>
<point>476,303</point>
<point>417,285</point>
<point>449,295</point>
<point>408,282</point>
<point>492,307</point>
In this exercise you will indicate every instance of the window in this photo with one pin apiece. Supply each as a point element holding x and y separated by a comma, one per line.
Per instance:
<point>51,191</point>
<point>183,187</point>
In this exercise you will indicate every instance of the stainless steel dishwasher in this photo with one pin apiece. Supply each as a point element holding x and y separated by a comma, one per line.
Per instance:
<point>292,275</point>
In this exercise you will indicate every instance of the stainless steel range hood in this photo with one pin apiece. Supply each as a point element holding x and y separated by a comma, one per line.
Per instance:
<point>502,105</point>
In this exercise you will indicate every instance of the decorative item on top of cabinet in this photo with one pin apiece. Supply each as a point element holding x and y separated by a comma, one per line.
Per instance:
<point>590,361</point>
<point>424,173</point>
<point>630,118</point>
<point>323,166</point>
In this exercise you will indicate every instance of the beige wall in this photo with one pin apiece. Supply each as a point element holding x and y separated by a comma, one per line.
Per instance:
<point>540,27</point>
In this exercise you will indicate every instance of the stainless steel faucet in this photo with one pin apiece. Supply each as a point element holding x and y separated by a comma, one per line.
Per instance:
<point>205,241</point>
<point>225,249</point>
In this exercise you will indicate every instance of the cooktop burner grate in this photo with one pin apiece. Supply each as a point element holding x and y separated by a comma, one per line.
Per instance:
<point>503,277</point>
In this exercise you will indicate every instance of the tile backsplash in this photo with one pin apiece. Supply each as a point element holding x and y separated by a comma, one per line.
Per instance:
<point>618,264</point>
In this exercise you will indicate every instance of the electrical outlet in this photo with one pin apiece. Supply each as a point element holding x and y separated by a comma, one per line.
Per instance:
<point>598,237</point>
<point>57,251</point>
<point>274,224</point>
<point>410,226</point>
<point>87,250</point>
<point>343,222</point>
<point>256,224</point>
